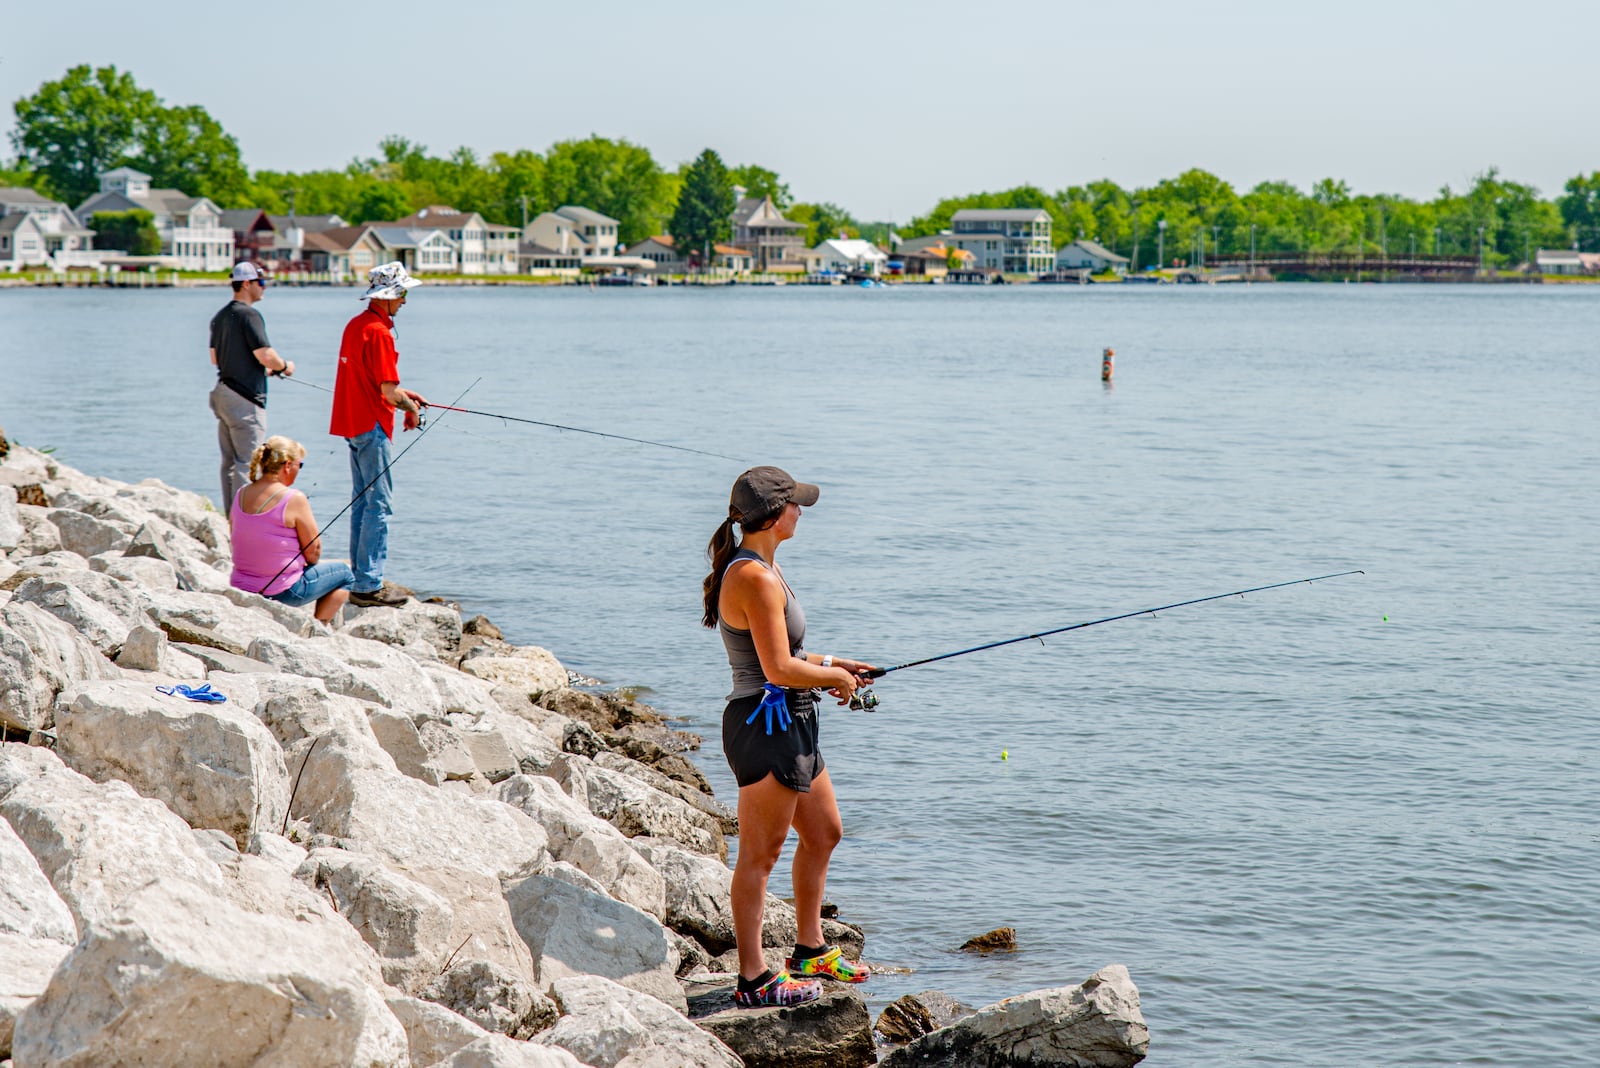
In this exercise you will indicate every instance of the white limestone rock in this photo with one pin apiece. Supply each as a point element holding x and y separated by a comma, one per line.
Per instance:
<point>699,898</point>
<point>576,931</point>
<point>636,808</point>
<point>460,692</point>
<point>433,1032</point>
<point>73,598</point>
<point>503,1001</point>
<point>39,657</point>
<point>29,906</point>
<point>589,843</point>
<point>429,749</point>
<point>215,765</point>
<point>608,1025</point>
<point>315,659</point>
<point>498,1051</point>
<point>145,572</point>
<point>26,965</point>
<point>10,521</point>
<point>214,612</point>
<point>96,842</point>
<point>350,788</point>
<point>39,536</point>
<point>87,535</point>
<point>527,669</point>
<point>147,649</point>
<point>277,850</point>
<point>416,623</point>
<point>150,983</point>
<point>1095,1024</point>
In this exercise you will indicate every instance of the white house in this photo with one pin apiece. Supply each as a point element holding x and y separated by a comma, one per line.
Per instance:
<point>21,243</point>
<point>843,254</point>
<point>482,247</point>
<point>574,229</point>
<point>191,228</point>
<point>1091,254</point>
<point>66,241</point>
<point>1558,261</point>
<point>421,250</point>
<point>1014,240</point>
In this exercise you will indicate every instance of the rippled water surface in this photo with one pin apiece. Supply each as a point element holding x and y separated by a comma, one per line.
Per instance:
<point>1343,824</point>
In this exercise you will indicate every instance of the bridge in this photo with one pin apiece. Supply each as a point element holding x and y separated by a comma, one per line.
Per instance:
<point>1348,264</point>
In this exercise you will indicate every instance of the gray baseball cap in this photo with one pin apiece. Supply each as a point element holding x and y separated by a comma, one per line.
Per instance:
<point>763,490</point>
<point>248,272</point>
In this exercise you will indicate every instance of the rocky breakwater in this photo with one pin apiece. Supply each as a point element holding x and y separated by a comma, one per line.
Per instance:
<point>403,841</point>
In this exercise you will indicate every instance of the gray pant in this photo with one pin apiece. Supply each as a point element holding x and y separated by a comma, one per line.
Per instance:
<point>241,428</point>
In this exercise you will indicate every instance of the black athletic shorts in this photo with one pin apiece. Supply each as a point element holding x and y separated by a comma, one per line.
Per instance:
<point>791,756</point>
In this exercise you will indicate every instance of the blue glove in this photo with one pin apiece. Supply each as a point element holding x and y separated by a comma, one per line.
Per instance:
<point>773,703</point>
<point>194,693</point>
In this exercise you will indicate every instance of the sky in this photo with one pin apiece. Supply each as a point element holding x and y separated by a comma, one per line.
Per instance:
<point>881,107</point>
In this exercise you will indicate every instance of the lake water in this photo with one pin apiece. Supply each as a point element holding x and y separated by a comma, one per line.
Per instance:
<point>1351,823</point>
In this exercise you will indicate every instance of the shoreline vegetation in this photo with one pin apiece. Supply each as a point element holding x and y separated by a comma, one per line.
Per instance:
<point>92,120</point>
<point>395,841</point>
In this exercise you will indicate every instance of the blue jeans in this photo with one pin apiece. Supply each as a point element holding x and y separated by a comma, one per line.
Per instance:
<point>369,515</point>
<point>315,583</point>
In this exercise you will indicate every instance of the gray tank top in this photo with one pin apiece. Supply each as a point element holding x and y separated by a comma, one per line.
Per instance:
<point>748,678</point>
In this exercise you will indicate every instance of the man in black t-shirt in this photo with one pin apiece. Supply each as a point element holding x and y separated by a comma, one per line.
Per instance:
<point>243,356</point>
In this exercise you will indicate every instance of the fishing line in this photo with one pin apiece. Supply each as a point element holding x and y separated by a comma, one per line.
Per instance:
<point>558,426</point>
<point>1041,635</point>
<point>324,528</point>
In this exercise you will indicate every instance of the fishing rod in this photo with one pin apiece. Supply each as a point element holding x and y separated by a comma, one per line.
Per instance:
<point>866,699</point>
<point>558,426</point>
<point>374,481</point>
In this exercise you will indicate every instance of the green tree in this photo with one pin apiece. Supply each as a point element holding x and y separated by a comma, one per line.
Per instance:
<point>704,213</point>
<point>615,178</point>
<point>18,175</point>
<point>84,123</point>
<point>760,182</point>
<point>1580,209</point>
<point>185,148</point>
<point>133,232</point>
<point>823,221</point>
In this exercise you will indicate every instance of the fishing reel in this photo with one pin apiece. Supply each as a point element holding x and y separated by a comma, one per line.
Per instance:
<point>864,700</point>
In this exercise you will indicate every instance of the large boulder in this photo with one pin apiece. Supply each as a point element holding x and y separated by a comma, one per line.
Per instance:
<point>573,930</point>
<point>1096,1024</point>
<point>636,808</point>
<point>87,535</point>
<point>350,788</point>
<point>39,535</point>
<point>147,649</point>
<point>418,921</point>
<point>608,1025</point>
<point>498,1051</point>
<point>215,765</point>
<point>39,657</point>
<point>492,997</point>
<point>588,843</point>
<point>433,1032</point>
<point>416,626</point>
<point>314,659</point>
<point>211,619</point>
<point>427,748</point>
<point>36,932</point>
<point>97,843</point>
<point>152,984</point>
<point>10,521</point>
<point>835,1031</point>
<point>724,816</point>
<point>97,606</point>
<point>528,670</point>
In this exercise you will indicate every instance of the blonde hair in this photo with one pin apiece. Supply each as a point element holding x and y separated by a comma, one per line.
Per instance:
<point>274,454</point>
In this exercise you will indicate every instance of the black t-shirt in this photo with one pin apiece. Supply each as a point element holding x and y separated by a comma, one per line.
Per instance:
<point>236,332</point>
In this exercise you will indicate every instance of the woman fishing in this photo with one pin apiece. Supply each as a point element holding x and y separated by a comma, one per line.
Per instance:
<point>276,547</point>
<point>769,734</point>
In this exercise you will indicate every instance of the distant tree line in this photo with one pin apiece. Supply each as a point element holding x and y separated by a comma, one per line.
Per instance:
<point>93,119</point>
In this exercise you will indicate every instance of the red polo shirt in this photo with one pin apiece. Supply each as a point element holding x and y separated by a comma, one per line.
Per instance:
<point>367,359</point>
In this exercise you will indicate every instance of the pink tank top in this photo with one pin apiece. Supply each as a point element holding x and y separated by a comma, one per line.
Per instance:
<point>262,545</point>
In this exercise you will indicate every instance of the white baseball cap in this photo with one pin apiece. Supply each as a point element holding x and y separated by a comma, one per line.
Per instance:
<point>388,281</point>
<point>246,271</point>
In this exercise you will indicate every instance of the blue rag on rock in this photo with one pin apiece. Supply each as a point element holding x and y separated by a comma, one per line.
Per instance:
<point>203,692</point>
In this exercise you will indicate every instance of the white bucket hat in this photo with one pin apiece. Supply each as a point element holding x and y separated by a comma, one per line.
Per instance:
<point>388,281</point>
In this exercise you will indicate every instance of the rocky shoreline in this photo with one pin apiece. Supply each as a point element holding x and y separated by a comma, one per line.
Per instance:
<point>400,841</point>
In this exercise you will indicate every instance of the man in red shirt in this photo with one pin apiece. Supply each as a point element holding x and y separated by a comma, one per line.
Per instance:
<point>365,395</point>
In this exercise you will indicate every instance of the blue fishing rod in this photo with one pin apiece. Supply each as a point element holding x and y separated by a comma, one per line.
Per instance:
<point>866,699</point>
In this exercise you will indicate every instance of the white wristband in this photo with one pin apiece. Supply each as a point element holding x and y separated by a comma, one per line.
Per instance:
<point>827,661</point>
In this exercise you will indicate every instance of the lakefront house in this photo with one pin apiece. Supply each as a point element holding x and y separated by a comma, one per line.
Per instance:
<point>190,228</point>
<point>36,231</point>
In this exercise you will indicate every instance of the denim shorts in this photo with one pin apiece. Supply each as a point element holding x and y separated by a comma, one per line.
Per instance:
<point>316,582</point>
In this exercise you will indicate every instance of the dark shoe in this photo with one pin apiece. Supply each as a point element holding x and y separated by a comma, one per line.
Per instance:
<point>383,597</point>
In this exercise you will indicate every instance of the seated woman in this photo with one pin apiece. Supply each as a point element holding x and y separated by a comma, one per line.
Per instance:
<point>276,548</point>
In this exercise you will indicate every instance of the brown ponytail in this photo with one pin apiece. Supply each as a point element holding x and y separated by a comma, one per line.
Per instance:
<point>720,552</point>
